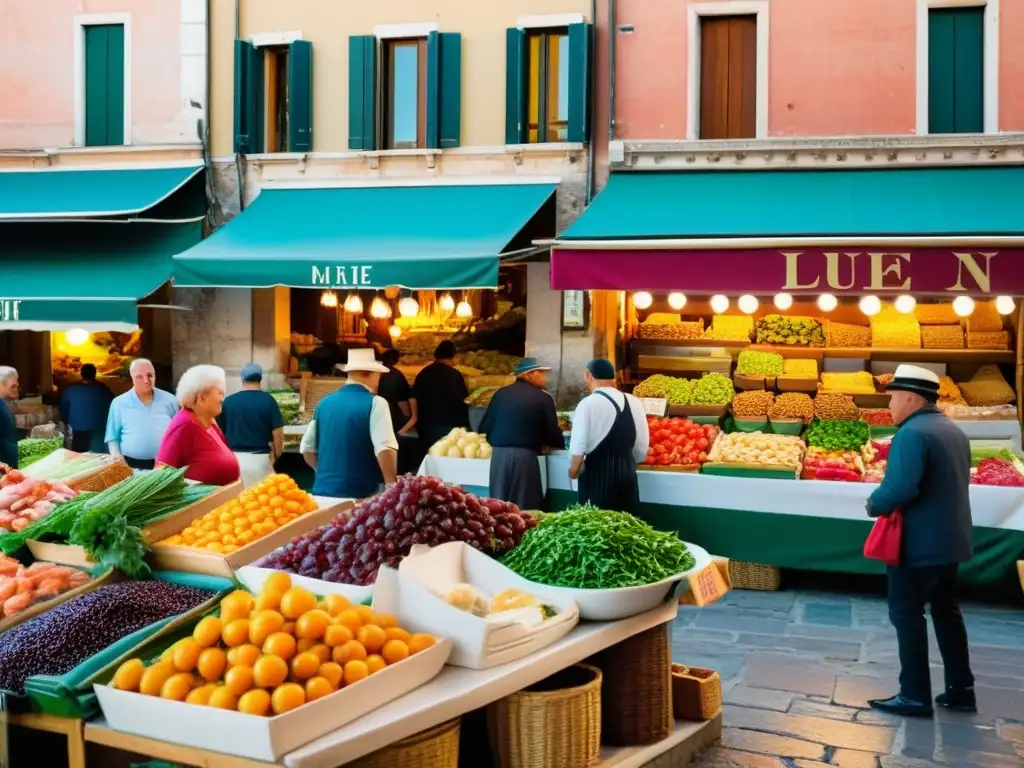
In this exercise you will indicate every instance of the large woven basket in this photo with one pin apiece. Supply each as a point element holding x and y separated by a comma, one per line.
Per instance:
<point>556,722</point>
<point>636,695</point>
<point>436,747</point>
<point>744,575</point>
<point>103,478</point>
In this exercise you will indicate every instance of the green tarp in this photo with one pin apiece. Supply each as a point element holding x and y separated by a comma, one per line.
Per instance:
<point>444,236</point>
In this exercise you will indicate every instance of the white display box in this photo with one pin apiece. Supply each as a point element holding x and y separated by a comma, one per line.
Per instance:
<point>266,738</point>
<point>252,578</point>
<point>413,592</point>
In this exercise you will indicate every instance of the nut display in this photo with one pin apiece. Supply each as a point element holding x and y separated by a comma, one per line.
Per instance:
<point>847,335</point>
<point>856,383</point>
<point>751,363</point>
<point>712,389</point>
<point>988,387</point>
<point>984,318</point>
<point>936,314</point>
<point>832,407</point>
<point>792,405</point>
<point>949,392</point>
<point>988,340</point>
<point>891,330</point>
<point>803,369</point>
<point>782,329</point>
<point>676,391</point>
<point>759,448</point>
<point>731,328</point>
<point>942,337</point>
<point>755,404</point>
<point>680,331</point>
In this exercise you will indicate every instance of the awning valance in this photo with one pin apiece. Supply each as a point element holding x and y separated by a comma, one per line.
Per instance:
<point>437,236</point>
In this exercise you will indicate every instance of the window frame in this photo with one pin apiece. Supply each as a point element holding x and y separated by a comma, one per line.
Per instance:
<point>79,23</point>
<point>276,109</point>
<point>546,35</point>
<point>386,91</point>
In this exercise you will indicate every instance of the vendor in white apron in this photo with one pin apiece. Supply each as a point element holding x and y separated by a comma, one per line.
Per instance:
<point>252,423</point>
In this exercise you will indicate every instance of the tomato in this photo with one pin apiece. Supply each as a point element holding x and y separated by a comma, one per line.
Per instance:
<point>663,461</point>
<point>659,449</point>
<point>702,443</point>
<point>688,446</point>
<point>703,457</point>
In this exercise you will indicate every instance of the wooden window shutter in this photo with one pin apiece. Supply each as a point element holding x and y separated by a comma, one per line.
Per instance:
<point>104,85</point>
<point>248,98</point>
<point>300,96</point>
<point>433,127</point>
<point>969,58</point>
<point>362,91</point>
<point>728,77</point>
<point>451,90</point>
<point>581,65</point>
<point>515,86</point>
<point>941,72</point>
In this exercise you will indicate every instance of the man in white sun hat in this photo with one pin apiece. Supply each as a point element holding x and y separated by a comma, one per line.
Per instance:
<point>928,479</point>
<point>351,442</point>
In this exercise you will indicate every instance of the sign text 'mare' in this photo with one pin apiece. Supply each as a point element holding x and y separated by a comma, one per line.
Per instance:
<point>354,276</point>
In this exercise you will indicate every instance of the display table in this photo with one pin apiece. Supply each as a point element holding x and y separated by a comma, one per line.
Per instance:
<point>70,728</point>
<point>472,474</point>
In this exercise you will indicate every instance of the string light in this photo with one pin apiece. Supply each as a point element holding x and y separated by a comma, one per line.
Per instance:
<point>329,299</point>
<point>446,303</point>
<point>77,336</point>
<point>719,303</point>
<point>783,301</point>
<point>827,302</point>
<point>677,301</point>
<point>748,304</point>
<point>408,307</point>
<point>379,308</point>
<point>463,310</point>
<point>1004,305</point>
<point>395,331</point>
<point>642,300</point>
<point>870,305</point>
<point>354,304</point>
<point>905,304</point>
<point>963,306</point>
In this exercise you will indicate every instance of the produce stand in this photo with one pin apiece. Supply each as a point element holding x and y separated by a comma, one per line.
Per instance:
<point>471,474</point>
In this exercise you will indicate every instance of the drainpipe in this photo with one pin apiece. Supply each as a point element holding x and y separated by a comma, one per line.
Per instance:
<point>611,70</point>
<point>205,135</point>
<point>238,155</point>
<point>593,115</point>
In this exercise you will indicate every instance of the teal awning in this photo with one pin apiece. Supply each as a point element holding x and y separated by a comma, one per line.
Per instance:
<point>895,202</point>
<point>444,236</point>
<point>79,194</point>
<point>85,274</point>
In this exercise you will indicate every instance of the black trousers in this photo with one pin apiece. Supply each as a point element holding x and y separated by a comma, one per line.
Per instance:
<point>910,589</point>
<point>139,463</point>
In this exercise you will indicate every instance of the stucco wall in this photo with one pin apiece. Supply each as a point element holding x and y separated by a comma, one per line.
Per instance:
<point>38,72</point>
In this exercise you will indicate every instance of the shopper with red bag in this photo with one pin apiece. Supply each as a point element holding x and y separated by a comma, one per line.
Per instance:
<point>926,484</point>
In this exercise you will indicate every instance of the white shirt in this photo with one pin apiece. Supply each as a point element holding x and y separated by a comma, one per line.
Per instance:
<point>595,416</point>
<point>382,432</point>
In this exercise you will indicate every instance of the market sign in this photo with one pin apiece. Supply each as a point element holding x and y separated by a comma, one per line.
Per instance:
<point>10,310</point>
<point>54,314</point>
<point>921,271</point>
<point>339,276</point>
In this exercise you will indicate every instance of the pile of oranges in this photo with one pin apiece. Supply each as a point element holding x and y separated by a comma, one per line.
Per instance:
<point>254,514</point>
<point>271,653</point>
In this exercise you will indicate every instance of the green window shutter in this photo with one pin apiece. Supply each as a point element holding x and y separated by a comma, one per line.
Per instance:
<point>581,58</point>
<point>515,86</point>
<point>941,67</point>
<point>254,104</point>
<point>451,90</point>
<point>300,96</point>
<point>243,142</point>
<point>969,74</point>
<point>433,99</point>
<point>104,85</point>
<point>362,91</point>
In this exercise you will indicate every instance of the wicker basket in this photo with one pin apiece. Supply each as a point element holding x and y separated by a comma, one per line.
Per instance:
<point>637,694</point>
<point>317,389</point>
<point>556,722</point>
<point>696,693</point>
<point>436,747</point>
<point>103,478</point>
<point>743,575</point>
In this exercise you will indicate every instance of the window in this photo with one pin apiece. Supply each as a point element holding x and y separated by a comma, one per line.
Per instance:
<point>273,98</point>
<point>547,84</point>
<point>404,103</point>
<point>275,88</point>
<point>956,53</point>
<point>104,85</point>
<point>728,77</point>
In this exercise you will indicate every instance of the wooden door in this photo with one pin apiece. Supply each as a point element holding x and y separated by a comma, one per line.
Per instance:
<point>728,77</point>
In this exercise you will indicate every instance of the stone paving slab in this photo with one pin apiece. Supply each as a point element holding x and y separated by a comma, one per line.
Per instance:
<point>866,738</point>
<point>759,698</point>
<point>770,744</point>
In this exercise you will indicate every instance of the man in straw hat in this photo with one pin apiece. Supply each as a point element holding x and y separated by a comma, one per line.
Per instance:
<point>928,480</point>
<point>520,424</point>
<point>351,442</point>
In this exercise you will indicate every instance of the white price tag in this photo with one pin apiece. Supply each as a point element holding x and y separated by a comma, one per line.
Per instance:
<point>654,406</point>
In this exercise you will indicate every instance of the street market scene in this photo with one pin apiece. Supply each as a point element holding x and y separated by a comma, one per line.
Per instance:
<point>627,384</point>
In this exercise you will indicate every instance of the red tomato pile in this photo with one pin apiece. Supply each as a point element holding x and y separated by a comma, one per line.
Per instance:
<point>679,441</point>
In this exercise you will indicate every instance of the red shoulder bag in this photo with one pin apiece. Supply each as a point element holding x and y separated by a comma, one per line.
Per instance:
<point>883,543</point>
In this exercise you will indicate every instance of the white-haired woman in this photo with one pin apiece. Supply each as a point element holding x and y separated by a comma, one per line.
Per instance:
<point>193,439</point>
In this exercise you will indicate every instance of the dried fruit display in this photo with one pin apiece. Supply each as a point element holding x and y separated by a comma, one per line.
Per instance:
<point>792,405</point>
<point>731,328</point>
<point>949,392</point>
<point>993,340</point>
<point>677,391</point>
<point>987,387</point>
<point>804,369</point>
<point>855,383</point>
<point>712,389</point>
<point>891,330</point>
<point>759,448</point>
<point>792,331</point>
<point>984,318</point>
<point>942,337</point>
<point>936,314</point>
<point>833,407</point>
<point>679,442</point>
<point>847,335</point>
<point>752,405</point>
<point>677,330</point>
<point>753,363</point>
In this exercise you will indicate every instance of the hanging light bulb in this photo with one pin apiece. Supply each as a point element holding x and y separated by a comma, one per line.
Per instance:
<point>677,301</point>
<point>1004,305</point>
<point>379,308</point>
<point>76,336</point>
<point>394,331</point>
<point>447,303</point>
<point>963,305</point>
<point>408,307</point>
<point>463,310</point>
<point>870,305</point>
<point>748,304</point>
<point>329,299</point>
<point>642,300</point>
<point>354,304</point>
<point>827,302</point>
<point>905,304</point>
<point>783,301</point>
<point>719,303</point>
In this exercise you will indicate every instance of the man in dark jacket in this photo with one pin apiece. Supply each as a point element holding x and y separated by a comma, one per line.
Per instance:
<point>84,409</point>
<point>440,393</point>
<point>928,479</point>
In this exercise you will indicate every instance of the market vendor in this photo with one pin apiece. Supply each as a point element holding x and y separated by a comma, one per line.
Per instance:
<point>441,396</point>
<point>254,427</point>
<point>520,424</point>
<point>350,442</point>
<point>609,438</point>
<point>8,428</point>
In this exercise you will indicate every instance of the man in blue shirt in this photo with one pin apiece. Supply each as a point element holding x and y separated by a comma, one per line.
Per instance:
<point>253,426</point>
<point>84,409</point>
<point>8,433</point>
<point>139,418</point>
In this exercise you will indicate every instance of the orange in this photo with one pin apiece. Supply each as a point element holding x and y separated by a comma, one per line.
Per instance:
<point>372,637</point>
<point>211,664</point>
<point>270,671</point>
<point>268,601</point>
<point>397,633</point>
<point>375,663</point>
<point>317,688</point>
<point>305,644</point>
<point>263,624</point>
<point>394,651</point>
<point>154,677</point>
<point>355,671</point>
<point>385,620</point>
<point>238,680</point>
<point>338,634</point>
<point>287,697</point>
<point>237,605</point>
<point>349,618</point>
<point>353,650</point>
<point>335,604</point>
<point>236,633</point>
<point>280,644</point>
<point>255,702</point>
<point>278,581</point>
<point>331,672</point>
<point>276,501</point>
<point>305,666</point>
<point>129,675</point>
<point>186,655</point>
<point>364,613</point>
<point>288,628</point>
<point>244,655</point>
<point>176,687</point>
<point>312,624</point>
<point>223,698</point>
<point>322,652</point>
<point>296,601</point>
<point>201,695</point>
<point>420,642</point>
<point>207,631</point>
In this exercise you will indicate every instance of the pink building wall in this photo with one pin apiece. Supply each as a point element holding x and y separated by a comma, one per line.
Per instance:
<point>37,69</point>
<point>837,68</point>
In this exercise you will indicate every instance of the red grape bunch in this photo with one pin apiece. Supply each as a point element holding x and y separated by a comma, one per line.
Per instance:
<point>382,529</point>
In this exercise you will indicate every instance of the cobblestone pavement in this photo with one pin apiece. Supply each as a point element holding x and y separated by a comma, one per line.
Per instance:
<point>798,666</point>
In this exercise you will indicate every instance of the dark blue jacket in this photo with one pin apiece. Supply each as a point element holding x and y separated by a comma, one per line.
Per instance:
<point>346,464</point>
<point>928,477</point>
<point>84,407</point>
<point>8,437</point>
